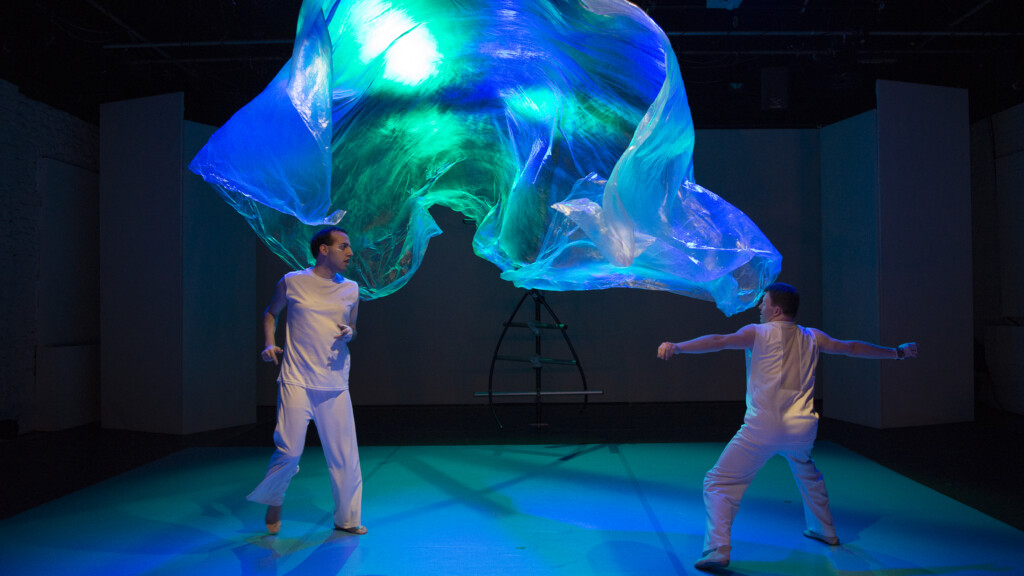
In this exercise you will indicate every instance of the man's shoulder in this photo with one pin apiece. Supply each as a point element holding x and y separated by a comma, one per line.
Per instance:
<point>295,276</point>
<point>295,273</point>
<point>748,334</point>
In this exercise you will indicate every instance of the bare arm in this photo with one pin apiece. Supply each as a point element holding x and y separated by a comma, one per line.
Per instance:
<point>277,303</point>
<point>742,339</point>
<point>859,349</point>
<point>347,332</point>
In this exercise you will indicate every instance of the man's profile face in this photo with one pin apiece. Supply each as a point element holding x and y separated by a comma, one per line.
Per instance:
<point>768,310</point>
<point>338,252</point>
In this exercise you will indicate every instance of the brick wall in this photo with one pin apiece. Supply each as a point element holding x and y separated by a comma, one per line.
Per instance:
<point>29,131</point>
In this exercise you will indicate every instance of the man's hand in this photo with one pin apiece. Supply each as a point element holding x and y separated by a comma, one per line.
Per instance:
<point>345,333</point>
<point>666,350</point>
<point>270,353</point>
<point>909,349</point>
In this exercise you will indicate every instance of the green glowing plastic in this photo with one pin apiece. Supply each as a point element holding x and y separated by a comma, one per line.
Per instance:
<point>560,127</point>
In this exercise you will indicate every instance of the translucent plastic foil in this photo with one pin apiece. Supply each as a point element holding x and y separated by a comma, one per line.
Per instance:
<point>560,127</point>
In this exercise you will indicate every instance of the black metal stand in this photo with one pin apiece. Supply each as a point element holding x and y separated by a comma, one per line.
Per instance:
<point>537,361</point>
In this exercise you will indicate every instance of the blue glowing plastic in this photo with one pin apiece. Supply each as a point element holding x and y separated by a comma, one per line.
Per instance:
<point>561,128</point>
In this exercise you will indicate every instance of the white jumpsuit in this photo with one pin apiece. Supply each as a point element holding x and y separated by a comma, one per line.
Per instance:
<point>314,385</point>
<point>780,419</point>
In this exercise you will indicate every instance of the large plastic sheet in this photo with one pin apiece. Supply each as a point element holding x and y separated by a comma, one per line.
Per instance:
<point>560,127</point>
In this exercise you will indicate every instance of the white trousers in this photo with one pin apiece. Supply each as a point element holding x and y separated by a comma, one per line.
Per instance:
<point>725,484</point>
<point>332,412</point>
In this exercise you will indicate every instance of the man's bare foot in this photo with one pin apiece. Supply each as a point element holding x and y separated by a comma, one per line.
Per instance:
<point>273,519</point>
<point>360,530</point>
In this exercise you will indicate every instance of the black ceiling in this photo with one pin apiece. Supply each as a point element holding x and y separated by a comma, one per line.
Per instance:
<point>766,64</point>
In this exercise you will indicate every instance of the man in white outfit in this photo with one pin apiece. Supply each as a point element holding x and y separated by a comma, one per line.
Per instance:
<point>780,418</point>
<point>313,383</point>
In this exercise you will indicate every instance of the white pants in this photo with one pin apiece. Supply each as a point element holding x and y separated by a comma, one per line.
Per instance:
<point>725,484</point>
<point>332,412</point>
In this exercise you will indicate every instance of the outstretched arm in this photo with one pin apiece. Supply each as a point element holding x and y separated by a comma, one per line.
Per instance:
<point>740,340</point>
<point>858,349</point>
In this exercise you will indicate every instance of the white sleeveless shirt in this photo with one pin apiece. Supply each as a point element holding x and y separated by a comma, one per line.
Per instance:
<point>780,382</point>
<point>312,357</point>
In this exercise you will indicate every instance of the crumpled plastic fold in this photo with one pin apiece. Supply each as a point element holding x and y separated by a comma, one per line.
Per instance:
<point>560,128</point>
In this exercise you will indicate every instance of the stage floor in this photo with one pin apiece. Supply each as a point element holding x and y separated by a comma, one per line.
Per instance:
<point>481,510</point>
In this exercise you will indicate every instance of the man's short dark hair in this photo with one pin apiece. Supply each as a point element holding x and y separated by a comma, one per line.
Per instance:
<point>784,296</point>
<point>323,238</point>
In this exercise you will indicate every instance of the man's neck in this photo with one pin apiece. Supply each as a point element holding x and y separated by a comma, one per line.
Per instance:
<point>323,270</point>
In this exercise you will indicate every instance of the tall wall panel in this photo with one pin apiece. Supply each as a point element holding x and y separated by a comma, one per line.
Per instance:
<point>178,349</point>
<point>921,289</point>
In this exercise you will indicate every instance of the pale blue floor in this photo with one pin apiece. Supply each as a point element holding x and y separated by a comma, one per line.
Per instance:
<point>480,510</point>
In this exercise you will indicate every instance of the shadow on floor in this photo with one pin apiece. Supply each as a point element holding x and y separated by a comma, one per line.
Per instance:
<point>977,463</point>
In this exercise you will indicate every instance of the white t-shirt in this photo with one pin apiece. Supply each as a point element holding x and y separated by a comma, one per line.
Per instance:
<point>312,357</point>
<point>780,382</point>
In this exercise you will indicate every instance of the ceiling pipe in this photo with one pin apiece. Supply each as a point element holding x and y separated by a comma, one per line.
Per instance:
<point>805,51</point>
<point>201,43</point>
<point>677,33</point>
<point>853,33</point>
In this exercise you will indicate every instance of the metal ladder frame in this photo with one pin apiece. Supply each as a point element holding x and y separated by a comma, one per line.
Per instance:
<point>537,361</point>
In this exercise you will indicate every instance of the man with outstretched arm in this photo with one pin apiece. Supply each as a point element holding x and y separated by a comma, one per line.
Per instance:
<point>313,383</point>
<point>780,419</point>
